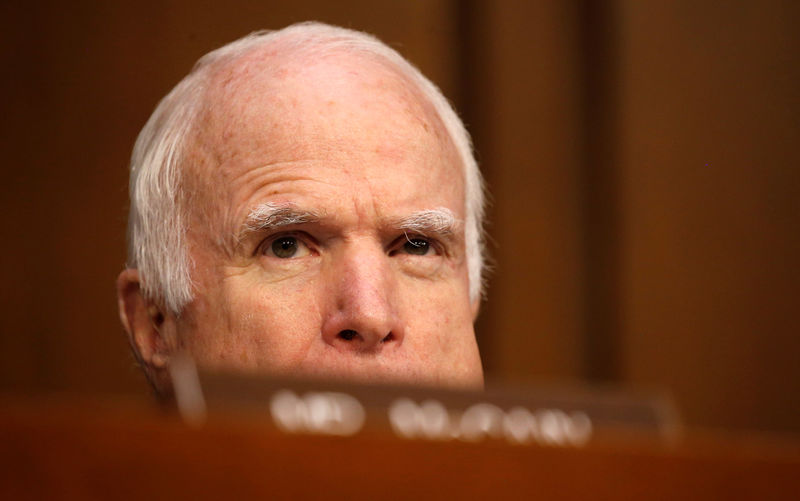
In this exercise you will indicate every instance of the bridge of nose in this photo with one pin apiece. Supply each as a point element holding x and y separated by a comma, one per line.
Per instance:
<point>363,313</point>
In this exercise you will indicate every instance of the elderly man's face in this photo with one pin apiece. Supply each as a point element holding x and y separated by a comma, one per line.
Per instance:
<point>319,232</point>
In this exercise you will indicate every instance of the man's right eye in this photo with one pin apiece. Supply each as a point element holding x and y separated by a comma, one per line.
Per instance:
<point>286,247</point>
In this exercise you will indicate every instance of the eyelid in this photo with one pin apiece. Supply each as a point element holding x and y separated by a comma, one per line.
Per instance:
<point>302,237</point>
<point>436,245</point>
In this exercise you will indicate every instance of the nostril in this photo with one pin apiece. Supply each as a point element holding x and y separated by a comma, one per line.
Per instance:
<point>348,335</point>
<point>362,340</point>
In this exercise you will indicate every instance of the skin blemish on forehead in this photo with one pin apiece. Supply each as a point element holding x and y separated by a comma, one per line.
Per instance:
<point>391,153</point>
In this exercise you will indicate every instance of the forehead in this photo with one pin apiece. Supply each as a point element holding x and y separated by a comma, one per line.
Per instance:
<point>276,97</point>
<point>264,108</point>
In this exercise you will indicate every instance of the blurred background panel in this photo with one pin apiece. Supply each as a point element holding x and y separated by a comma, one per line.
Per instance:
<point>641,156</point>
<point>708,173</point>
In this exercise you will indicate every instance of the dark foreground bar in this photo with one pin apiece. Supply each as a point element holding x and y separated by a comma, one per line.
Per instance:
<point>71,448</point>
<point>524,416</point>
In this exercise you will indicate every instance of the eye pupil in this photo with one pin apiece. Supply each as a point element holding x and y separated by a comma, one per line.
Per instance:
<point>285,247</point>
<point>416,246</point>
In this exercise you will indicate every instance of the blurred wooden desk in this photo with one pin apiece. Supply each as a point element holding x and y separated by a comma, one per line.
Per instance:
<point>73,448</point>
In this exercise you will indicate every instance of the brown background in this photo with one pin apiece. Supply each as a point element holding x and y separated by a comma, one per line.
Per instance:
<point>642,159</point>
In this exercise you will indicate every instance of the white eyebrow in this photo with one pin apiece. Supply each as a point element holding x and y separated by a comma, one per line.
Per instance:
<point>439,221</point>
<point>268,216</point>
<point>271,215</point>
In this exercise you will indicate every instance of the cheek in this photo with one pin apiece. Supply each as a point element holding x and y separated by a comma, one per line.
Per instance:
<point>442,319</point>
<point>252,325</point>
<point>455,360</point>
<point>279,323</point>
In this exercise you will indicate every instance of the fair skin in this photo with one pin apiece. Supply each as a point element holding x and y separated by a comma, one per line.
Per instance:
<point>324,246</point>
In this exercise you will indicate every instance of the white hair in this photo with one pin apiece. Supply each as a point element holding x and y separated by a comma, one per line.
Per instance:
<point>157,219</point>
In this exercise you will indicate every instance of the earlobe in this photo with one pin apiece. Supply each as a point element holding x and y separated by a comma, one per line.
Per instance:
<point>144,323</point>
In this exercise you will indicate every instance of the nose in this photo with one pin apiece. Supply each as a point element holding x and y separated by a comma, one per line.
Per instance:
<point>363,317</point>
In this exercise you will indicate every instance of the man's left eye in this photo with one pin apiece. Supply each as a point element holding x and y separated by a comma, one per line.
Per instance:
<point>417,246</point>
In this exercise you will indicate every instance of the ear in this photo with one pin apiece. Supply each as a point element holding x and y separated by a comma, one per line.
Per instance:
<point>150,329</point>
